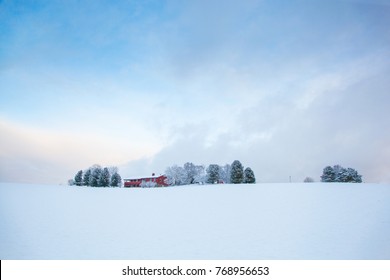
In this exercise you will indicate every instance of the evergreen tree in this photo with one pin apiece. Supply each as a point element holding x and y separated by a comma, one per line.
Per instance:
<point>212,173</point>
<point>116,180</point>
<point>112,169</point>
<point>95,177</point>
<point>328,175</point>
<point>354,176</point>
<point>87,177</point>
<point>338,173</point>
<point>237,173</point>
<point>350,175</point>
<point>249,176</point>
<point>78,179</point>
<point>104,179</point>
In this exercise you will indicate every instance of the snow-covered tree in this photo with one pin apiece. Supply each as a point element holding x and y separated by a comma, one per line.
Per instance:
<point>113,170</point>
<point>148,184</point>
<point>224,173</point>
<point>338,173</point>
<point>249,176</point>
<point>194,173</point>
<point>212,174</point>
<point>176,175</point>
<point>191,172</point>
<point>78,179</point>
<point>328,175</point>
<point>237,173</point>
<point>87,177</point>
<point>308,180</point>
<point>338,170</point>
<point>200,176</point>
<point>104,179</point>
<point>350,175</point>
<point>95,177</point>
<point>116,180</point>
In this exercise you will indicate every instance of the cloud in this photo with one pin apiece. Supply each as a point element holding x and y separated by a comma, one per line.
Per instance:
<point>338,118</point>
<point>35,155</point>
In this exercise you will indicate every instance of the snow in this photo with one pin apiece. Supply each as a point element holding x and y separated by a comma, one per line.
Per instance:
<point>260,221</point>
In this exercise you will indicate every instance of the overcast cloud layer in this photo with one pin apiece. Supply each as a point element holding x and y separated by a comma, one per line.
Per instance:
<point>286,87</point>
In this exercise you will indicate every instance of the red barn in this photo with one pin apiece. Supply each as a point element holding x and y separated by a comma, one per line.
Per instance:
<point>161,181</point>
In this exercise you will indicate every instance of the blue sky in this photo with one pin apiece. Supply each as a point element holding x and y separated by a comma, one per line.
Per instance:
<point>287,87</point>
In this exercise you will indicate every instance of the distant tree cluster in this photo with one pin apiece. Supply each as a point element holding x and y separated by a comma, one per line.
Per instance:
<point>96,176</point>
<point>338,173</point>
<point>308,180</point>
<point>186,175</point>
<point>213,174</point>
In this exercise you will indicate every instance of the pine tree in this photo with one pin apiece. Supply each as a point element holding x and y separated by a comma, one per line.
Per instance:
<point>338,173</point>
<point>87,178</point>
<point>328,175</point>
<point>237,173</point>
<point>116,180</point>
<point>78,179</point>
<point>212,173</point>
<point>104,180</point>
<point>350,175</point>
<point>95,177</point>
<point>249,176</point>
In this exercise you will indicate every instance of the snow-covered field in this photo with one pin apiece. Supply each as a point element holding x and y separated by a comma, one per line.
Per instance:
<point>262,221</point>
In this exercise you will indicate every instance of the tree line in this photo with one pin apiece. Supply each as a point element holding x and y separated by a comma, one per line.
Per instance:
<point>338,173</point>
<point>189,173</point>
<point>213,174</point>
<point>96,176</point>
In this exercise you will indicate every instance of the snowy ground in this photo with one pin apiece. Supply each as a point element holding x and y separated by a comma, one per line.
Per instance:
<point>262,221</point>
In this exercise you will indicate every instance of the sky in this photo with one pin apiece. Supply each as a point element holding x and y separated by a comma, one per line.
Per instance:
<point>286,87</point>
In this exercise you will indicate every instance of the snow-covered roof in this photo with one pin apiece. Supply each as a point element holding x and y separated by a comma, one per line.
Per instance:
<point>143,177</point>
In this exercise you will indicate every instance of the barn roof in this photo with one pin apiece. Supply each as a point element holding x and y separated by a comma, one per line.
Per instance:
<point>144,177</point>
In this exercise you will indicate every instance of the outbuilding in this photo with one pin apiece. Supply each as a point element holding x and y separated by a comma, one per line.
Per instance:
<point>161,181</point>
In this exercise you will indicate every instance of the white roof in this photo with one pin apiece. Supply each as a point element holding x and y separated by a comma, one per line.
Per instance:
<point>143,177</point>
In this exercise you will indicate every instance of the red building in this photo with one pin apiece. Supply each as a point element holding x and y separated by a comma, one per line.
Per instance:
<point>161,181</point>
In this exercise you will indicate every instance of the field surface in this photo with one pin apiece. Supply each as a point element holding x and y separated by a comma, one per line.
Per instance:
<point>260,221</point>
